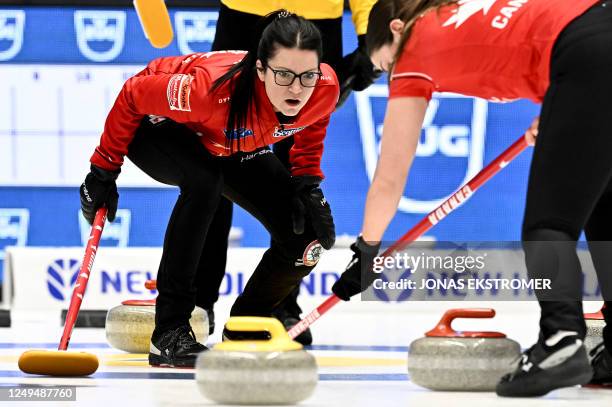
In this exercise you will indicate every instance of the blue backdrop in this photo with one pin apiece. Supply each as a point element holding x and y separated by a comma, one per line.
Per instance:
<point>460,135</point>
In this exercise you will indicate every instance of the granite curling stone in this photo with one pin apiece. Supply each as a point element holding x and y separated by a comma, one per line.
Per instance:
<point>129,326</point>
<point>273,371</point>
<point>595,324</point>
<point>449,360</point>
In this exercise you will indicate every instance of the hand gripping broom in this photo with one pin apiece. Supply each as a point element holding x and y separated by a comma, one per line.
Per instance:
<point>425,224</point>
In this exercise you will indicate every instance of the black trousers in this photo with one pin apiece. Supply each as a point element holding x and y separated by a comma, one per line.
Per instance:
<point>235,30</point>
<point>172,154</point>
<point>570,182</point>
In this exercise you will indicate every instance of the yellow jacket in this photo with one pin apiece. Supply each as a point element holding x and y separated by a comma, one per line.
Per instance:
<point>310,9</point>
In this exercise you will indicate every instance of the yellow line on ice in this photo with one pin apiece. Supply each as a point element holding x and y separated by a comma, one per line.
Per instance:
<point>126,356</point>
<point>141,359</point>
<point>342,361</point>
<point>126,359</point>
<point>9,358</point>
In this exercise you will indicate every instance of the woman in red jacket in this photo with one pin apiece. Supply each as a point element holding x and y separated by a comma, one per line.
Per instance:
<point>557,53</point>
<point>204,122</point>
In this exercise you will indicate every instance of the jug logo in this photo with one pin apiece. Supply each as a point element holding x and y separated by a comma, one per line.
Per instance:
<point>115,234</point>
<point>61,277</point>
<point>195,31</point>
<point>451,145</point>
<point>13,228</point>
<point>100,34</point>
<point>12,23</point>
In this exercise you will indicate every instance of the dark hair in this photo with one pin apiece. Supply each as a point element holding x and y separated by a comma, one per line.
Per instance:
<point>277,29</point>
<point>384,11</point>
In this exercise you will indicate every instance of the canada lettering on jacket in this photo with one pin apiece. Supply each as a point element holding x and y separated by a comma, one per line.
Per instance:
<point>505,14</point>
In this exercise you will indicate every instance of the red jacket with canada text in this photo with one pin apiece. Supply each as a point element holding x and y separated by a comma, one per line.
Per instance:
<point>494,49</point>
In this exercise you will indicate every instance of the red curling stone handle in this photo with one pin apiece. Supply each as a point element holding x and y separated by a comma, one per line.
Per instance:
<point>594,315</point>
<point>444,329</point>
<point>139,302</point>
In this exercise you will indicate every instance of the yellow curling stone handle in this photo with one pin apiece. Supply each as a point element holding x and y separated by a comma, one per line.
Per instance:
<point>279,338</point>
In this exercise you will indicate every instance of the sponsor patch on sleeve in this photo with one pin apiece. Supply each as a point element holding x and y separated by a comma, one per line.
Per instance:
<point>179,89</point>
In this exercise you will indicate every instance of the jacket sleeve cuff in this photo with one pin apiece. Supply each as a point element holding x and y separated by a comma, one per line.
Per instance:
<point>99,161</point>
<point>309,171</point>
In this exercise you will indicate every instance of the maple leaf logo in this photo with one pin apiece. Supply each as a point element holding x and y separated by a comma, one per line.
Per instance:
<point>466,9</point>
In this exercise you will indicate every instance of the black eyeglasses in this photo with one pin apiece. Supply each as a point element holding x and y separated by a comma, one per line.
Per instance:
<point>283,77</point>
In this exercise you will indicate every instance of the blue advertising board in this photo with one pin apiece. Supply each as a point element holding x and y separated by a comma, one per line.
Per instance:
<point>460,136</point>
<point>77,36</point>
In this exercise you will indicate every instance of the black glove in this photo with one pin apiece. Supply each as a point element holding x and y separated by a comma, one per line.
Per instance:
<point>98,190</point>
<point>358,275</point>
<point>355,71</point>
<point>308,202</point>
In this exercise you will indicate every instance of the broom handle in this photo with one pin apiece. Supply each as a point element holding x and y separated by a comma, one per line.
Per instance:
<point>435,216</point>
<point>81,283</point>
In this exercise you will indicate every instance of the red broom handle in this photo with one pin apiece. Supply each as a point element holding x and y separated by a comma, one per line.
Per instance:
<point>453,202</point>
<point>81,283</point>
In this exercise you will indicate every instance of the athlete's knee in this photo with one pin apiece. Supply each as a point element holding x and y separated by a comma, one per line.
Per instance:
<point>549,250</point>
<point>310,255</point>
<point>303,253</point>
<point>548,243</point>
<point>550,232</point>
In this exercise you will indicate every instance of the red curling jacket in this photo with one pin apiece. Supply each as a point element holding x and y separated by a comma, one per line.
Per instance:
<point>494,49</point>
<point>179,88</point>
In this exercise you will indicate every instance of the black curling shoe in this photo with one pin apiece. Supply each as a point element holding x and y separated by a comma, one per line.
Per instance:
<point>552,363</point>
<point>602,366</point>
<point>175,348</point>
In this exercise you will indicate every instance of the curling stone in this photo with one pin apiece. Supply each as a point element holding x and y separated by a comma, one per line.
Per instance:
<point>462,361</point>
<point>273,371</point>
<point>129,326</point>
<point>595,324</point>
